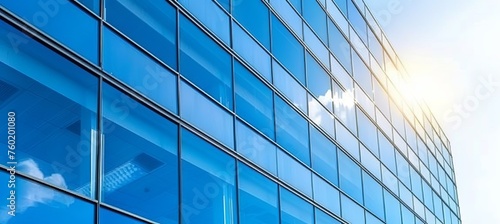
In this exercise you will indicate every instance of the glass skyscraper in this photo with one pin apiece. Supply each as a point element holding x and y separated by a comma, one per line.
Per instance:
<point>212,111</point>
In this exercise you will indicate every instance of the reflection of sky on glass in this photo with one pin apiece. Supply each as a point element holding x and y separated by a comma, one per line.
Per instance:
<point>451,48</point>
<point>38,204</point>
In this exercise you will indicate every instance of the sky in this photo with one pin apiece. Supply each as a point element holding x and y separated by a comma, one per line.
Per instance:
<point>451,49</point>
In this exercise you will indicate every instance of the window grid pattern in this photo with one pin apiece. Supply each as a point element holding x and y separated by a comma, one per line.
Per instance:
<point>417,169</point>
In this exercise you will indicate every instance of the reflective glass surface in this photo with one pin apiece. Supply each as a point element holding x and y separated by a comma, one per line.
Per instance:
<point>55,106</point>
<point>140,159</point>
<point>211,196</point>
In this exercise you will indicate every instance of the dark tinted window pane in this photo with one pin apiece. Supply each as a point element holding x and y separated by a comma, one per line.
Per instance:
<point>58,19</point>
<point>205,63</point>
<point>254,100</point>
<point>55,104</point>
<point>258,197</point>
<point>208,179</point>
<point>288,50</point>
<point>324,156</point>
<point>107,216</point>
<point>36,203</point>
<point>140,159</point>
<point>150,23</point>
<point>254,16</point>
<point>350,177</point>
<point>139,71</point>
<point>294,209</point>
<point>211,16</point>
<point>291,131</point>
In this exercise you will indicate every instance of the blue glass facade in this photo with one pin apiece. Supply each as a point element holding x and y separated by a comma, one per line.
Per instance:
<point>215,111</point>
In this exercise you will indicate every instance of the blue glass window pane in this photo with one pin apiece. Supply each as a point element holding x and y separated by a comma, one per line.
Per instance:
<point>326,195</point>
<point>323,218</point>
<point>36,203</point>
<point>294,209</point>
<point>403,170</point>
<point>156,20</point>
<point>211,16</point>
<point>290,87</point>
<point>317,47</point>
<point>205,63</point>
<point>140,158</point>
<point>392,209</point>
<point>254,100</point>
<point>427,191</point>
<point>318,81</point>
<point>291,131</point>
<point>347,140</point>
<point>255,147</point>
<point>287,49</point>
<point>373,195</point>
<point>416,183</point>
<point>367,132</point>
<point>350,177</point>
<point>254,16</point>
<point>220,124</point>
<point>55,103</point>
<point>362,74</point>
<point>321,116</point>
<point>375,47</point>
<point>357,21</point>
<point>342,4</point>
<point>371,219</point>
<point>225,4</point>
<point>316,18</point>
<point>352,212</point>
<point>93,5</point>
<point>58,19</point>
<point>294,173</point>
<point>339,45</point>
<point>253,53</point>
<point>387,151</point>
<point>370,162</point>
<point>133,67</point>
<point>408,217</point>
<point>390,180</point>
<point>208,182</point>
<point>344,107</point>
<point>297,4</point>
<point>286,11</point>
<point>258,197</point>
<point>107,216</point>
<point>324,156</point>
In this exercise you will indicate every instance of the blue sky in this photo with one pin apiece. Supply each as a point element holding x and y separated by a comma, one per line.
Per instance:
<point>452,50</point>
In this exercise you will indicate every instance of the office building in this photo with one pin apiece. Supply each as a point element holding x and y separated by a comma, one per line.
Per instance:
<point>213,111</point>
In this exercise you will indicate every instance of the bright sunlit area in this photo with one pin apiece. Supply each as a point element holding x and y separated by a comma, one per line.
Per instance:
<point>451,49</point>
